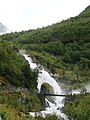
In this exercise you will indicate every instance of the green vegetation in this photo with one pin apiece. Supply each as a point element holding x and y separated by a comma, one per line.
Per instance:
<point>48,117</point>
<point>15,69</point>
<point>7,113</point>
<point>21,101</point>
<point>15,74</point>
<point>62,48</point>
<point>17,105</point>
<point>78,107</point>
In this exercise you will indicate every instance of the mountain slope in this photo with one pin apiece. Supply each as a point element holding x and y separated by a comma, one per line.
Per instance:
<point>66,31</point>
<point>86,12</point>
<point>63,48</point>
<point>70,30</point>
<point>3,29</point>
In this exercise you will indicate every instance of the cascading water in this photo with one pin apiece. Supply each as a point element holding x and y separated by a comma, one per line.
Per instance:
<point>44,77</point>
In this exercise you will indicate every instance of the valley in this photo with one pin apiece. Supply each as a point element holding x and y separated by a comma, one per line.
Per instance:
<point>63,49</point>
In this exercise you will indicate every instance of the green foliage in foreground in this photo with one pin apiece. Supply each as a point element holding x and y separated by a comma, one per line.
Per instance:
<point>78,107</point>
<point>48,117</point>
<point>21,101</point>
<point>15,68</point>
<point>17,105</point>
<point>8,113</point>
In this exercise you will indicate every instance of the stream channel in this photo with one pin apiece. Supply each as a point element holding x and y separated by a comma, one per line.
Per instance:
<point>45,77</point>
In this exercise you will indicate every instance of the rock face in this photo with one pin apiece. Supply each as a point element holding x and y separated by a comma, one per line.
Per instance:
<point>3,29</point>
<point>46,88</point>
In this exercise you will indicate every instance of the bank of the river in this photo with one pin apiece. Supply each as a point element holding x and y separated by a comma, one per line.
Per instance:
<point>77,107</point>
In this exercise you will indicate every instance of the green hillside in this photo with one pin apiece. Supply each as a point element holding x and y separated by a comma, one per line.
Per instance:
<point>15,69</point>
<point>78,107</point>
<point>62,48</point>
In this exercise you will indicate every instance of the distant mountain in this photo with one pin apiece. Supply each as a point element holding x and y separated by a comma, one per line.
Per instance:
<point>3,29</point>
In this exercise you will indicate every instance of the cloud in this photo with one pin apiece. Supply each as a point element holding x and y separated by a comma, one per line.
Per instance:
<point>28,14</point>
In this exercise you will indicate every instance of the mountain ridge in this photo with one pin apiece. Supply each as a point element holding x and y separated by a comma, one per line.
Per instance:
<point>3,29</point>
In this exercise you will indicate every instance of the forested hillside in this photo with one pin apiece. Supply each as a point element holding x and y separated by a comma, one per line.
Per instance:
<point>78,107</point>
<point>14,68</point>
<point>62,48</point>
<point>16,82</point>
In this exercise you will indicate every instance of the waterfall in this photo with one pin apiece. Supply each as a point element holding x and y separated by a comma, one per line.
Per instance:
<point>44,77</point>
<point>0,118</point>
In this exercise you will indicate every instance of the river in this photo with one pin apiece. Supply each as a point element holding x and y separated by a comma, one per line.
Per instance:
<point>44,77</point>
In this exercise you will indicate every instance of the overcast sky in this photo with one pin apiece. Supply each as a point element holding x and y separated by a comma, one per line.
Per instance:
<point>20,15</point>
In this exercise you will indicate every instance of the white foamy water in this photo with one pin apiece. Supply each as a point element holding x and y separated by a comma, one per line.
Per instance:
<point>32,65</point>
<point>44,77</point>
<point>0,118</point>
<point>88,87</point>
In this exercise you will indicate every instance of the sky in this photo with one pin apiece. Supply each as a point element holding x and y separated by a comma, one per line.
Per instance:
<point>20,15</point>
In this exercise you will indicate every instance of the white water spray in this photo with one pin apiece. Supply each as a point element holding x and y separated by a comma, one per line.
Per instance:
<point>44,77</point>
